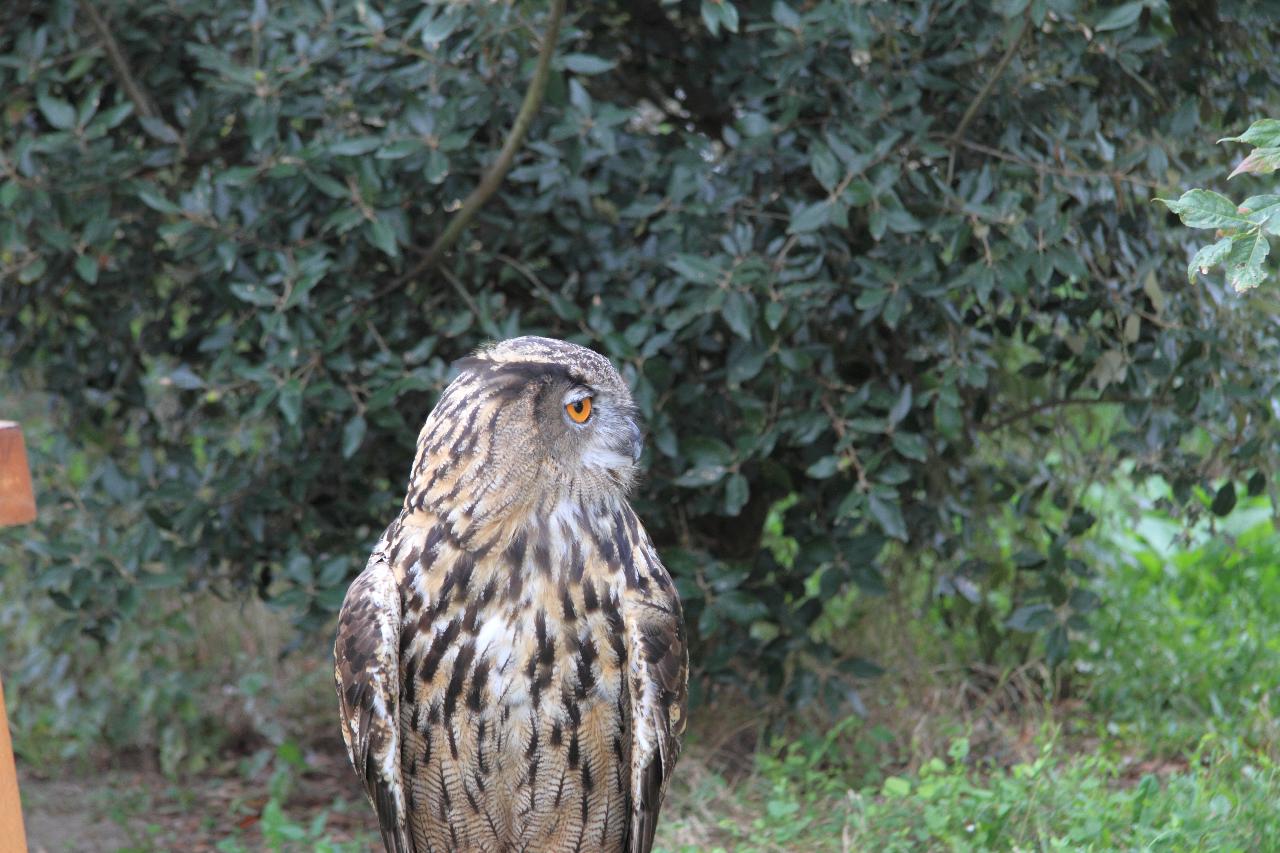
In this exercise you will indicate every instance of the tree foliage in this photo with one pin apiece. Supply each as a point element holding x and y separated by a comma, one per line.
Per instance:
<point>885,278</point>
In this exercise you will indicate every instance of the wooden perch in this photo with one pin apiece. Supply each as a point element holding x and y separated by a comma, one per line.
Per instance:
<point>17,506</point>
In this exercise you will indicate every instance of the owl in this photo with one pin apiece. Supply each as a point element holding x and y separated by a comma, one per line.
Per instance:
<point>511,665</point>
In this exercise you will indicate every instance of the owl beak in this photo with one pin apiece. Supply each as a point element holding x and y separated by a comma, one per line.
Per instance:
<point>637,442</point>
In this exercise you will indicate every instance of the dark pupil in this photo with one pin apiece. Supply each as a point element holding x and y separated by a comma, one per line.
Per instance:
<point>577,408</point>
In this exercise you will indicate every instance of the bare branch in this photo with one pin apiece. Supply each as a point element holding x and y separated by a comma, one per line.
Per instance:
<point>119,62</point>
<point>1070,401</point>
<point>1046,169</point>
<point>985,92</point>
<point>493,177</point>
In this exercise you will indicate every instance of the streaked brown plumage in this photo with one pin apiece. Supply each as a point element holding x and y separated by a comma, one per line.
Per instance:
<point>511,664</point>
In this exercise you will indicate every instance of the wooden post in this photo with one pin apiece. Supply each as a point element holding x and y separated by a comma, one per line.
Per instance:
<point>17,501</point>
<point>17,506</point>
<point>12,836</point>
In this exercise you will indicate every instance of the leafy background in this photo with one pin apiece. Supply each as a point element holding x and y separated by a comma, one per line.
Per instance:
<point>886,280</point>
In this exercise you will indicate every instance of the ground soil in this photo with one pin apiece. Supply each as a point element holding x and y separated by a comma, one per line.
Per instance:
<point>140,809</point>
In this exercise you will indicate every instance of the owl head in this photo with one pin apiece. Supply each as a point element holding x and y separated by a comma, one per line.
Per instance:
<point>527,419</point>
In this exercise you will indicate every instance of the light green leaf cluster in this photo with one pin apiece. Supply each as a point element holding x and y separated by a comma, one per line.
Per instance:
<point>1244,229</point>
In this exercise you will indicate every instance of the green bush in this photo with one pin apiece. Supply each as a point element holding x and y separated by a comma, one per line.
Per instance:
<point>893,264</point>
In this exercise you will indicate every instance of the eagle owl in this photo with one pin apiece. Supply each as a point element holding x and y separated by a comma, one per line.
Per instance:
<point>511,665</point>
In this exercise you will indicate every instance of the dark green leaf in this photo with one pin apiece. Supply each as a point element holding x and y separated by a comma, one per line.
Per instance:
<point>694,268</point>
<point>290,401</point>
<point>153,199</point>
<point>355,147</point>
<point>739,313</point>
<point>911,445</point>
<point>1225,499</point>
<point>901,407</point>
<point>382,235</point>
<point>823,468</point>
<point>87,268</point>
<point>585,63</point>
<point>785,16</point>
<point>1118,17</point>
<point>159,129</point>
<point>253,293</point>
<point>736,492</point>
<point>57,112</point>
<point>810,217</point>
<point>353,436</point>
<point>1031,617</point>
<point>1028,559</point>
<point>888,515</point>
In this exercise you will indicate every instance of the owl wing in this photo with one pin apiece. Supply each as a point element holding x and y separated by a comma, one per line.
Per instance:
<point>658,675</point>
<point>367,671</point>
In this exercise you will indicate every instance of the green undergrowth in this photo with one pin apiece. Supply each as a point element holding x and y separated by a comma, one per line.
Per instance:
<point>802,796</point>
<point>1188,643</point>
<point>1174,746</point>
<point>279,831</point>
<point>1223,800</point>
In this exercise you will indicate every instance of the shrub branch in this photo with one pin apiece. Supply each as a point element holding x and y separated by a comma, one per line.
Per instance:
<point>493,177</point>
<point>119,62</point>
<point>1069,401</point>
<point>985,92</point>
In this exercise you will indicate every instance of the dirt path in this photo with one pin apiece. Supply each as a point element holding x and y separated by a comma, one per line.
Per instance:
<point>142,810</point>
<point>65,815</point>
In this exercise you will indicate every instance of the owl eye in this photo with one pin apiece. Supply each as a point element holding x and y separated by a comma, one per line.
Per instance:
<point>579,410</point>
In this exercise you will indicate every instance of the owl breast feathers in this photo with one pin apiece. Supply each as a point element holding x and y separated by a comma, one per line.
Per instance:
<point>511,665</point>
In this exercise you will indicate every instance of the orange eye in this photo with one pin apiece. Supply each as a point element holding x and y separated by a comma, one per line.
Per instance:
<point>579,411</point>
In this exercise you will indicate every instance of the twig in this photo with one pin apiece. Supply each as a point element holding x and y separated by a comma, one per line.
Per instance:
<point>837,425</point>
<point>529,276</point>
<point>462,292</point>
<point>119,63</point>
<point>493,177</point>
<point>537,284</point>
<point>984,92</point>
<point>1069,401</point>
<point>1056,170</point>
